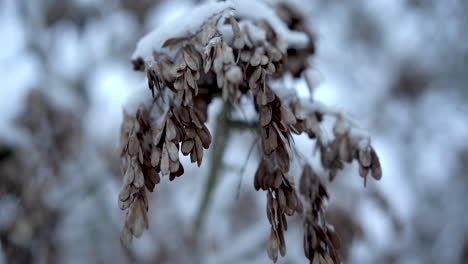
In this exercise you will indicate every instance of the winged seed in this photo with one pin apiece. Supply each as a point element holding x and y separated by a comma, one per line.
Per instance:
<point>190,61</point>
<point>165,160</point>
<point>139,178</point>
<point>172,150</point>
<point>265,115</point>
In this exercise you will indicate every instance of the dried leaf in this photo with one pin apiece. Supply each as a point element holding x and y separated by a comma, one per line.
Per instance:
<point>195,119</point>
<point>264,140</point>
<point>363,171</point>
<point>335,240</point>
<point>282,160</point>
<point>345,150</point>
<point>259,174</point>
<point>155,157</point>
<point>273,138</point>
<point>329,260</point>
<point>267,96</point>
<point>287,116</point>
<point>199,149</point>
<point>256,58</point>
<point>190,132</point>
<point>164,160</point>
<point>172,150</point>
<point>265,115</point>
<point>125,192</point>
<point>129,176</point>
<point>188,97</point>
<point>140,156</point>
<point>193,155</point>
<point>180,84</point>
<point>172,176</point>
<point>218,62</point>
<point>189,79</point>
<point>272,248</point>
<point>282,244</point>
<point>228,56</point>
<point>235,26</point>
<point>291,200</point>
<point>180,171</point>
<point>133,144</point>
<point>180,64</point>
<point>173,41</point>
<point>281,199</point>
<point>269,207</point>
<point>184,115</point>
<point>154,176</point>
<point>126,237</point>
<point>171,130</point>
<point>141,222</point>
<point>255,77</point>
<point>139,180</point>
<point>207,64</point>
<point>187,146</point>
<point>190,61</point>
<point>273,53</point>
<point>299,206</point>
<point>278,179</point>
<point>365,157</point>
<point>376,168</point>
<point>306,246</point>
<point>270,68</point>
<point>174,166</point>
<point>124,204</point>
<point>196,77</point>
<point>205,136</point>
<point>179,98</point>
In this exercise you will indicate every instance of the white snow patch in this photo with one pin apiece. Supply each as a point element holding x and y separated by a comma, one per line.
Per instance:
<point>261,11</point>
<point>187,23</point>
<point>190,22</point>
<point>256,33</point>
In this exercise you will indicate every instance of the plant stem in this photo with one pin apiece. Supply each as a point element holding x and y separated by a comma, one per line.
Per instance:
<point>218,148</point>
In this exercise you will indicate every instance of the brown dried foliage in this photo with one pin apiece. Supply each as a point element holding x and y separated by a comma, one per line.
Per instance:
<point>28,173</point>
<point>320,240</point>
<point>206,65</point>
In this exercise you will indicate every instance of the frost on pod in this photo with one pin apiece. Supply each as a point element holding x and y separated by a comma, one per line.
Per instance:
<point>235,49</point>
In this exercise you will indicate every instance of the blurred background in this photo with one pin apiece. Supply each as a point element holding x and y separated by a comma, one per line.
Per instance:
<point>399,68</point>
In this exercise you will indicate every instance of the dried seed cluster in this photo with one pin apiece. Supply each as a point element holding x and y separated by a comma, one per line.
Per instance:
<point>346,147</point>
<point>30,172</point>
<point>234,55</point>
<point>320,240</point>
<point>272,173</point>
<point>150,148</point>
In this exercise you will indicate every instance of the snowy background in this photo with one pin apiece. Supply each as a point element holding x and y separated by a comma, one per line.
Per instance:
<point>399,68</point>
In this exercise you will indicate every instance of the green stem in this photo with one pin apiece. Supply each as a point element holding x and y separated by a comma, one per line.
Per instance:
<point>218,148</point>
<point>242,125</point>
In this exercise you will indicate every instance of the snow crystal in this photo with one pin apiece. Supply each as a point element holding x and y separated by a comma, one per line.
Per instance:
<point>179,27</point>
